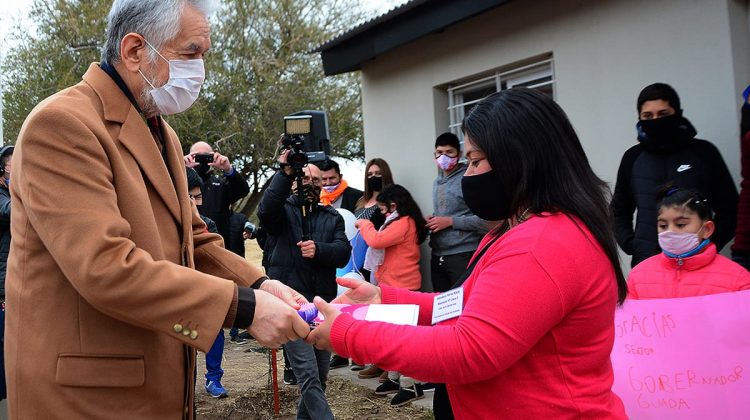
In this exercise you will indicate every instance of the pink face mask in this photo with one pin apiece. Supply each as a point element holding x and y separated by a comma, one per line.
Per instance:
<point>679,243</point>
<point>446,163</point>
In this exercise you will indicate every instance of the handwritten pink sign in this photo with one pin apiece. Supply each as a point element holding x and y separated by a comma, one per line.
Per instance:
<point>686,358</point>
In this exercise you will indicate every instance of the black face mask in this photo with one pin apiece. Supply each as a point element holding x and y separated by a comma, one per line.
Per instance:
<point>375,183</point>
<point>310,193</point>
<point>485,203</point>
<point>664,134</point>
<point>202,169</point>
<point>313,194</point>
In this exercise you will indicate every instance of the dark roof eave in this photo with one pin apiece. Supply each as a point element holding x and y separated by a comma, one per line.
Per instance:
<point>398,27</point>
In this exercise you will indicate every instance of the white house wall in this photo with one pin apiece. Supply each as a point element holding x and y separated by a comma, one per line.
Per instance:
<point>604,53</point>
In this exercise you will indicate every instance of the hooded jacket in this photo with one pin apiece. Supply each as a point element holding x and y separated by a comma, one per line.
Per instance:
<point>696,164</point>
<point>448,200</point>
<point>702,274</point>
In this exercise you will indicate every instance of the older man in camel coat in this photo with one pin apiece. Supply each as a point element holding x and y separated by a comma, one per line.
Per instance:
<point>112,281</point>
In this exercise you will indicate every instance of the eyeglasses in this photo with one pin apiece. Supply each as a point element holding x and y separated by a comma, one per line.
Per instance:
<point>449,154</point>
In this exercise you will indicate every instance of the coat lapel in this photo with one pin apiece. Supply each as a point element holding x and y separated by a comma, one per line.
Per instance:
<point>134,135</point>
<point>177,169</point>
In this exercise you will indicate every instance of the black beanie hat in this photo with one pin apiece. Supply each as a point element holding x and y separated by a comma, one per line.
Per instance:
<point>193,179</point>
<point>658,91</point>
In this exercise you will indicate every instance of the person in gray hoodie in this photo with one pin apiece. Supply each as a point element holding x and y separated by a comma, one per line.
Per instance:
<point>454,231</point>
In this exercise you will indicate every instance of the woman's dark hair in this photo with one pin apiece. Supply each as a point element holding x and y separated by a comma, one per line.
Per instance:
<point>385,171</point>
<point>673,196</point>
<point>406,206</point>
<point>531,145</point>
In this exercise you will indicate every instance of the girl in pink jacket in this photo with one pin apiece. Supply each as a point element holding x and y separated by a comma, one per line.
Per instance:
<point>689,264</point>
<point>393,253</point>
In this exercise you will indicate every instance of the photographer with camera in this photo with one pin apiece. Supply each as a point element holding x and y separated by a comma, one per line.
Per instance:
<point>219,192</point>
<point>306,242</point>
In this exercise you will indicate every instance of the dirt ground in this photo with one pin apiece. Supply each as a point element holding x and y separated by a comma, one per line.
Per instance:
<point>247,379</point>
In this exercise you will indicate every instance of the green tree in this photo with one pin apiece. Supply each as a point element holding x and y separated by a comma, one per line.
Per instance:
<point>259,69</point>
<point>66,39</point>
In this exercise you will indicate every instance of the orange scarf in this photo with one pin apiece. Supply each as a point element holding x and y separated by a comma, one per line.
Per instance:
<point>327,198</point>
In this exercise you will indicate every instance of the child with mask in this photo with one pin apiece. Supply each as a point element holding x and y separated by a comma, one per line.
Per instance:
<point>393,258</point>
<point>688,264</point>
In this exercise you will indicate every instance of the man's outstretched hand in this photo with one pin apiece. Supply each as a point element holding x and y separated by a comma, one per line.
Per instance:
<point>276,321</point>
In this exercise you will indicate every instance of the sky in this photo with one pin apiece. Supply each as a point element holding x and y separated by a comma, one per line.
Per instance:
<point>16,10</point>
<point>13,10</point>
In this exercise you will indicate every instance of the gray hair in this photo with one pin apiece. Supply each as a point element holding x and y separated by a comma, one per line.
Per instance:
<point>157,20</point>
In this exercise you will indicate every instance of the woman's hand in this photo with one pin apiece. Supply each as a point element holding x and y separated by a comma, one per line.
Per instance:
<point>320,337</point>
<point>360,292</point>
<point>288,295</point>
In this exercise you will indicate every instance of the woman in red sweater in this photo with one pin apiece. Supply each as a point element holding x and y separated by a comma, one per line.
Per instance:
<point>689,264</point>
<point>536,328</point>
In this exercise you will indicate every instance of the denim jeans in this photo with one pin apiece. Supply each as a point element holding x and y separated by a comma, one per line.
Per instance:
<point>214,372</point>
<point>310,366</point>
<point>234,332</point>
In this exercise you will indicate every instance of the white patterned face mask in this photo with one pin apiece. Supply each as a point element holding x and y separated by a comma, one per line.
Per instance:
<point>183,87</point>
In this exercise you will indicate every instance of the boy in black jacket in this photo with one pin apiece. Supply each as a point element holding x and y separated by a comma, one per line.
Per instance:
<point>668,153</point>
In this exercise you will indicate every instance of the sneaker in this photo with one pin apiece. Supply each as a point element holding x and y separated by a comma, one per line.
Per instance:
<point>338,362</point>
<point>428,387</point>
<point>238,340</point>
<point>215,390</point>
<point>407,395</point>
<point>289,378</point>
<point>357,366</point>
<point>245,335</point>
<point>388,387</point>
<point>371,372</point>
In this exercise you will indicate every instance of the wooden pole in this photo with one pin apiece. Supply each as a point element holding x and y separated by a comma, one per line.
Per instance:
<point>275,377</point>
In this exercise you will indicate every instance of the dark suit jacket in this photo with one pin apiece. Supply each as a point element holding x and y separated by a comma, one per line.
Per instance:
<point>349,198</point>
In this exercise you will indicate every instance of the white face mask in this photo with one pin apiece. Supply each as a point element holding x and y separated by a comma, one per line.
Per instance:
<point>183,87</point>
<point>331,188</point>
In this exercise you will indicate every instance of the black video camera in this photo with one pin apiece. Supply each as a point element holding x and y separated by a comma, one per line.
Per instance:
<point>306,135</point>
<point>204,157</point>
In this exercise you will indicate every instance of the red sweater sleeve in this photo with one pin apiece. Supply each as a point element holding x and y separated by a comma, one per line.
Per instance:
<point>394,233</point>
<point>399,295</point>
<point>497,327</point>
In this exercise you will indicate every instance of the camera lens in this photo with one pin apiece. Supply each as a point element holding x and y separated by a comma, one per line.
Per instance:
<point>298,159</point>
